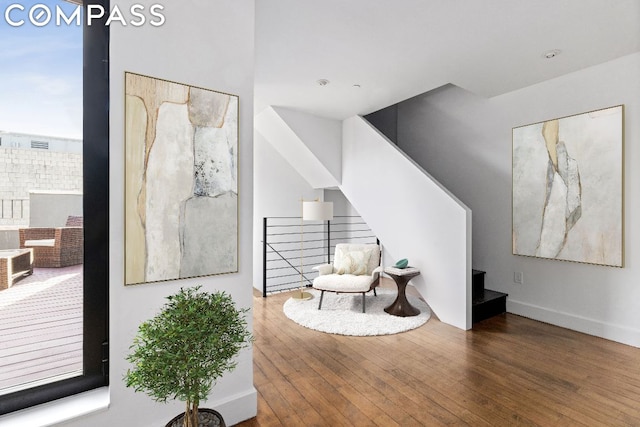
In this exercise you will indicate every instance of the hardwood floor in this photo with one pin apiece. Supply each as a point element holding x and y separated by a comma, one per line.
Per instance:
<point>507,371</point>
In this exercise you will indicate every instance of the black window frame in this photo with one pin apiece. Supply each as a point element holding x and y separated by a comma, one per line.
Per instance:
<point>96,226</point>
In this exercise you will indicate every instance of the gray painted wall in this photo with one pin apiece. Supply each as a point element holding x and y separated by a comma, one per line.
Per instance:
<point>464,141</point>
<point>386,121</point>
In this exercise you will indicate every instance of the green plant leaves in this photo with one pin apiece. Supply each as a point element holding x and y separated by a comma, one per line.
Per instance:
<point>182,351</point>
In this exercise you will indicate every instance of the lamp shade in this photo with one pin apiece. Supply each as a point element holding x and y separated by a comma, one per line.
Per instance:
<point>317,211</point>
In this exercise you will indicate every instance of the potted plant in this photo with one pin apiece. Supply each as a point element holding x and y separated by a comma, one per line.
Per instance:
<point>184,349</point>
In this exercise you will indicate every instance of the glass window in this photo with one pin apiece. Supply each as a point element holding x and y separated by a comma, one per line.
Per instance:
<point>54,255</point>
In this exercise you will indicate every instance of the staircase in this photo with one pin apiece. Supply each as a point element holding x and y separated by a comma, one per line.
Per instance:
<point>412,214</point>
<point>485,302</point>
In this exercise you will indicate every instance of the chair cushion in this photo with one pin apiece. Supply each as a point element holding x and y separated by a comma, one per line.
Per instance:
<point>351,262</point>
<point>324,269</point>
<point>42,242</point>
<point>374,254</point>
<point>343,283</point>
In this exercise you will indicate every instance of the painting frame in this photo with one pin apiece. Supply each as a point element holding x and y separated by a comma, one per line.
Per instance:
<point>181,180</point>
<point>568,188</point>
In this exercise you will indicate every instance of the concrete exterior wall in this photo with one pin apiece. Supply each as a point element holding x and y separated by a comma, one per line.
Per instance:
<point>52,208</point>
<point>9,238</point>
<point>25,170</point>
<point>52,143</point>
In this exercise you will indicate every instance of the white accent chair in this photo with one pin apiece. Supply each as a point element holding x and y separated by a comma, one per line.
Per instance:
<point>355,269</point>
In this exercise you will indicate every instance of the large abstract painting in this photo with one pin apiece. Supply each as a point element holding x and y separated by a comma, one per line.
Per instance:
<point>181,191</point>
<point>568,188</point>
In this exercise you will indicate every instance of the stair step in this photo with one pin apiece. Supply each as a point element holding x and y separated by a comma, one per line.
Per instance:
<point>477,287</point>
<point>490,304</point>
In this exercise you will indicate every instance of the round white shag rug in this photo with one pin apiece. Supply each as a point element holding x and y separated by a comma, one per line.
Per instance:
<point>342,313</point>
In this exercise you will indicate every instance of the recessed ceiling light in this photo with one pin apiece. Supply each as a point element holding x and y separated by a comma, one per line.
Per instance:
<point>322,82</point>
<point>551,53</point>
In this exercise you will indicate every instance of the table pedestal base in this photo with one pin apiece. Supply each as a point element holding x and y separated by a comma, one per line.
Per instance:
<point>401,306</point>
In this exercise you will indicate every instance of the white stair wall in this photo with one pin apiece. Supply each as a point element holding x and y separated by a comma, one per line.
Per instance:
<point>310,144</point>
<point>413,216</point>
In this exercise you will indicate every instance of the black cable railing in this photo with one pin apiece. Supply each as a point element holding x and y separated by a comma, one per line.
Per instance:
<point>292,247</point>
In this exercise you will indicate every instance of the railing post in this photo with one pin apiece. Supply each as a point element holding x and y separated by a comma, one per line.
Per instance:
<point>328,242</point>
<point>283,259</point>
<point>264,257</point>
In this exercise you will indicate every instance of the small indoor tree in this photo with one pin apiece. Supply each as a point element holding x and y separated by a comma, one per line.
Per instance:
<point>182,351</point>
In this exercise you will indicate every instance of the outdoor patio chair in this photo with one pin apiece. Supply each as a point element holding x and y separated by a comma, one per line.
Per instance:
<point>55,246</point>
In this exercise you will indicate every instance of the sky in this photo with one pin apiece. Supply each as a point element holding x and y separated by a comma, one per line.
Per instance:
<point>40,74</point>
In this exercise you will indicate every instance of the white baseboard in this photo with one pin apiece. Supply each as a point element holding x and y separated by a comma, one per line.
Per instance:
<point>58,411</point>
<point>239,407</point>
<point>621,334</point>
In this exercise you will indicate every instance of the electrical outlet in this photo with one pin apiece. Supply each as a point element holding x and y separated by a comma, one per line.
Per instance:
<point>518,277</point>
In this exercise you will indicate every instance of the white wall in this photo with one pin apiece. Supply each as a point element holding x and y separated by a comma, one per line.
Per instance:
<point>290,140</point>
<point>465,142</point>
<point>206,43</point>
<point>322,136</point>
<point>342,206</point>
<point>278,190</point>
<point>297,155</point>
<point>413,215</point>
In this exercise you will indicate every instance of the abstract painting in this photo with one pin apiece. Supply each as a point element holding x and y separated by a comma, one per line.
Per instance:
<point>181,190</point>
<point>568,188</point>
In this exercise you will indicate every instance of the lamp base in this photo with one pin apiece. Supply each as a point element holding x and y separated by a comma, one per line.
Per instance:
<point>302,296</point>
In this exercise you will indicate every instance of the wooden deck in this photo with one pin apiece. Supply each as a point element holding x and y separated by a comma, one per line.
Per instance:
<point>41,328</point>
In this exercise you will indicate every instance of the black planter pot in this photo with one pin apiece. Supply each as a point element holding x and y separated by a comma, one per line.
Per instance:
<point>206,417</point>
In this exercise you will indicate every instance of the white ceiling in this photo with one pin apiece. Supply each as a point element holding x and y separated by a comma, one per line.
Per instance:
<point>396,49</point>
